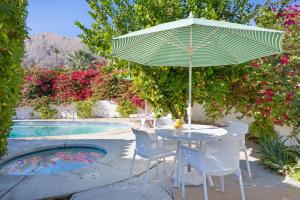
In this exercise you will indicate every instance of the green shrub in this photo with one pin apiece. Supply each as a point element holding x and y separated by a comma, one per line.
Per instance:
<point>262,128</point>
<point>42,106</point>
<point>12,35</point>
<point>84,109</point>
<point>295,172</point>
<point>277,156</point>
<point>125,108</point>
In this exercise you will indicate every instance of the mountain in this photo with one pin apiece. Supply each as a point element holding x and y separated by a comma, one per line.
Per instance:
<point>39,49</point>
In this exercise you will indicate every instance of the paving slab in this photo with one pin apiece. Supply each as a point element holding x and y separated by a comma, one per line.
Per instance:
<point>159,188</point>
<point>107,178</point>
<point>8,182</point>
<point>45,186</point>
<point>251,193</point>
<point>112,168</point>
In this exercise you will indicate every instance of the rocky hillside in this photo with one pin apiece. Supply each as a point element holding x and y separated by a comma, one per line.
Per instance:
<point>40,49</point>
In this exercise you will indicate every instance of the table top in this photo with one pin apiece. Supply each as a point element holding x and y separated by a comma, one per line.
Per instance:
<point>198,132</point>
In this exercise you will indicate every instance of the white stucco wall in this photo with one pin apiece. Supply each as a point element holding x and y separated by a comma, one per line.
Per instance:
<point>64,111</point>
<point>286,131</point>
<point>107,109</point>
<point>101,109</point>
<point>26,112</point>
<point>198,114</point>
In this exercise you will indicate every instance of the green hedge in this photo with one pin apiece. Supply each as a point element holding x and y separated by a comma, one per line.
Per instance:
<point>43,108</point>
<point>84,109</point>
<point>12,35</point>
<point>125,108</point>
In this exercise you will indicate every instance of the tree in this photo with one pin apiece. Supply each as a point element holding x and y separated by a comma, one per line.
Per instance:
<point>164,88</point>
<point>56,51</point>
<point>80,59</point>
<point>13,33</point>
<point>280,101</point>
<point>266,89</point>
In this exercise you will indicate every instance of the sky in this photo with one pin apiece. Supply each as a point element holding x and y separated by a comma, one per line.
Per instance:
<point>58,16</point>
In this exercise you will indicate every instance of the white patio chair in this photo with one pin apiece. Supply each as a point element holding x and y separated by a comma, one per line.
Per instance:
<point>240,129</point>
<point>163,122</point>
<point>148,149</point>
<point>215,158</point>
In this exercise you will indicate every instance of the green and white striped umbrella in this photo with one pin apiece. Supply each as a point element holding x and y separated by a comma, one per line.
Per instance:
<point>193,42</point>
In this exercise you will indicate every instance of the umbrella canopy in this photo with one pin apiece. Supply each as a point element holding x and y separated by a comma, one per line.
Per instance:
<point>193,42</point>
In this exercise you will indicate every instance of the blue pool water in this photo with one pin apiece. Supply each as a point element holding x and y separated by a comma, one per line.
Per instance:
<point>38,128</point>
<point>56,160</point>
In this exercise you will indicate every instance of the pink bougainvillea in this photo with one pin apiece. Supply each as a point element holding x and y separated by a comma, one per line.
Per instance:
<point>138,102</point>
<point>61,85</point>
<point>289,15</point>
<point>74,86</point>
<point>284,60</point>
<point>254,64</point>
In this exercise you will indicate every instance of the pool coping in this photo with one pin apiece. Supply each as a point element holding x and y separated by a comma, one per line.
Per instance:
<point>114,120</point>
<point>49,147</point>
<point>79,120</point>
<point>66,136</point>
<point>112,168</point>
<point>125,121</point>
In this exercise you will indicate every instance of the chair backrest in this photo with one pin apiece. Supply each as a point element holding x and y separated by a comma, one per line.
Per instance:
<point>163,121</point>
<point>239,129</point>
<point>216,158</point>
<point>222,154</point>
<point>143,141</point>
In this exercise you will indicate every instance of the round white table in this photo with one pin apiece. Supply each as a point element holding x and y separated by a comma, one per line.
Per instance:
<point>198,133</point>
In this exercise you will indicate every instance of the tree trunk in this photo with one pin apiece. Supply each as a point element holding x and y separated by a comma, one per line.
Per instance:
<point>173,111</point>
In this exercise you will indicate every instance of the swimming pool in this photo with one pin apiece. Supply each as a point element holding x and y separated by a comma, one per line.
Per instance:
<point>54,128</point>
<point>52,160</point>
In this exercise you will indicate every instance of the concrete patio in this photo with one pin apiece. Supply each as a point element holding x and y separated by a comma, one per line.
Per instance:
<point>263,185</point>
<point>107,178</point>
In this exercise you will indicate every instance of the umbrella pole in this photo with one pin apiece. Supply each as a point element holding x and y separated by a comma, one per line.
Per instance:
<point>189,111</point>
<point>190,100</point>
<point>190,104</point>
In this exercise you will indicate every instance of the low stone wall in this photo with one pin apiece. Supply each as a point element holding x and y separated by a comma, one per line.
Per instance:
<point>198,114</point>
<point>107,109</point>
<point>102,109</point>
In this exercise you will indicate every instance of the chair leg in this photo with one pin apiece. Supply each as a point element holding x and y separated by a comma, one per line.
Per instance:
<point>182,181</point>
<point>222,183</point>
<point>180,168</point>
<point>210,181</point>
<point>247,162</point>
<point>174,162</point>
<point>174,170</point>
<point>204,186</point>
<point>241,185</point>
<point>164,165</point>
<point>146,177</point>
<point>156,167</point>
<point>131,168</point>
<point>178,160</point>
